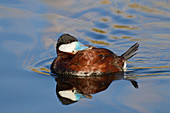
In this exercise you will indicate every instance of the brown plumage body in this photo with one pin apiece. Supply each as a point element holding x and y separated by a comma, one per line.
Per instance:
<point>91,61</point>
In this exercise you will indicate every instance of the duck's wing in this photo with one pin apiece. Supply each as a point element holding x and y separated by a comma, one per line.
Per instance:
<point>95,60</point>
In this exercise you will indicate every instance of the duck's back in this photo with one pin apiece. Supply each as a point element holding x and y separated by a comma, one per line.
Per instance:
<point>95,61</point>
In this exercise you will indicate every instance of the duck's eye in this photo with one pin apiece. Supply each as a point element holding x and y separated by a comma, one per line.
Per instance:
<point>74,51</point>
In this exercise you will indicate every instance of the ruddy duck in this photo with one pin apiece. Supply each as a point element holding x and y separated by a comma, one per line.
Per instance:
<point>77,59</point>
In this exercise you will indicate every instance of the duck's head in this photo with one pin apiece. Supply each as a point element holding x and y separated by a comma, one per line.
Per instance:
<point>73,94</point>
<point>69,44</point>
<point>70,96</point>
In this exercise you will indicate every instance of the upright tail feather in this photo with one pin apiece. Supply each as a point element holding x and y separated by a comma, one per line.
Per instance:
<point>130,52</point>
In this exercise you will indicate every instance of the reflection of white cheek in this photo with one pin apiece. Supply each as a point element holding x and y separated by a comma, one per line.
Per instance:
<point>68,94</point>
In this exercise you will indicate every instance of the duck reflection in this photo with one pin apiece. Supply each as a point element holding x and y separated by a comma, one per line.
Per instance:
<point>70,89</point>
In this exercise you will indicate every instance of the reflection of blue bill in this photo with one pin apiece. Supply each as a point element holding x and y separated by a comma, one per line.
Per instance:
<point>79,96</point>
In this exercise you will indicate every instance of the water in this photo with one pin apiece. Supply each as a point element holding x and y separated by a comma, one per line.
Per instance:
<point>28,34</point>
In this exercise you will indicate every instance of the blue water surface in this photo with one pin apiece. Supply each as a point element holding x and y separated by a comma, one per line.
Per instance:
<point>29,30</point>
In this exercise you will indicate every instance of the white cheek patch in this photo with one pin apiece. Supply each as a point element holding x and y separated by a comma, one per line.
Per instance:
<point>67,47</point>
<point>68,94</point>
